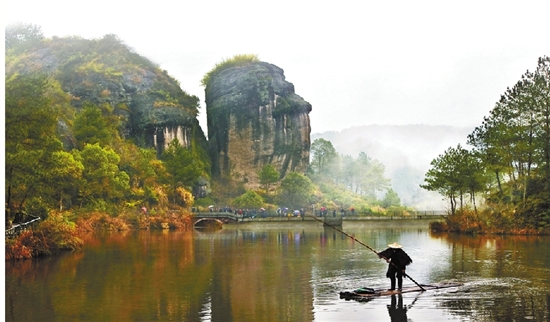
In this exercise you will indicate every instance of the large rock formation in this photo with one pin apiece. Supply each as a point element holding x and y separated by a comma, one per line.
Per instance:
<point>152,107</point>
<point>255,118</point>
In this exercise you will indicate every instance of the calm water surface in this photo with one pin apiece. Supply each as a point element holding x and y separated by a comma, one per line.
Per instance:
<point>282,273</point>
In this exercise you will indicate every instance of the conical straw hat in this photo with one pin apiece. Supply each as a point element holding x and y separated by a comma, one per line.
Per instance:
<point>395,245</point>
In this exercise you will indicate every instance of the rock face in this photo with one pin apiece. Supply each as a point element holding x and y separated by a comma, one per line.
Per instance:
<point>152,107</point>
<point>255,118</point>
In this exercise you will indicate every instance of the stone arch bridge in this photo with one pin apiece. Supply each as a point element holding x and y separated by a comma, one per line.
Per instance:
<point>209,219</point>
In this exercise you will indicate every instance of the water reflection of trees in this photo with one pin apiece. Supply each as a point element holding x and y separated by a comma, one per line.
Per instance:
<point>507,277</point>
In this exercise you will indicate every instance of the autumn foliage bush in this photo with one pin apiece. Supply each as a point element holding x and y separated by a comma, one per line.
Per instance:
<point>57,233</point>
<point>52,236</point>
<point>464,221</point>
<point>500,219</point>
<point>98,221</point>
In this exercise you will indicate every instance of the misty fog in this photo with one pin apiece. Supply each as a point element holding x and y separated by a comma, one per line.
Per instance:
<point>405,150</point>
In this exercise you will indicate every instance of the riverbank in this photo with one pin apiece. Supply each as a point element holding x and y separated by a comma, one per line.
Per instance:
<point>469,222</point>
<point>63,231</point>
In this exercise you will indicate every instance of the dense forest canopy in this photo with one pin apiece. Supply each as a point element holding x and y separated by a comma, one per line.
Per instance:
<point>509,163</point>
<point>77,116</point>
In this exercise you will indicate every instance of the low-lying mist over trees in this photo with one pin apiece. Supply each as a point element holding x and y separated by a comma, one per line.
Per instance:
<point>405,153</point>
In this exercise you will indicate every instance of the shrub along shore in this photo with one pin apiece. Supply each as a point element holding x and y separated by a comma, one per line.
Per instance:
<point>58,233</point>
<point>488,221</point>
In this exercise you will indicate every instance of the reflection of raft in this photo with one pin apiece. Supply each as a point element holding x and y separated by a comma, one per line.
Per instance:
<point>366,293</point>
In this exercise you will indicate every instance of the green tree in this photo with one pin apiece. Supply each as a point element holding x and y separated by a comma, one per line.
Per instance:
<point>30,138</point>
<point>514,140</point>
<point>348,174</point>
<point>91,126</point>
<point>370,174</point>
<point>513,145</point>
<point>454,174</point>
<point>19,33</point>
<point>183,169</point>
<point>250,199</point>
<point>102,180</point>
<point>64,174</point>
<point>295,190</point>
<point>541,101</point>
<point>268,175</point>
<point>145,172</point>
<point>391,199</point>
<point>485,142</point>
<point>323,153</point>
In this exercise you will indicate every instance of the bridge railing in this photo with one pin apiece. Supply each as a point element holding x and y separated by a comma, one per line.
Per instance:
<point>217,215</point>
<point>346,214</point>
<point>17,229</point>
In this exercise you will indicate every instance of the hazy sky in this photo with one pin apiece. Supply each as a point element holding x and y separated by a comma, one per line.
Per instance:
<point>356,62</point>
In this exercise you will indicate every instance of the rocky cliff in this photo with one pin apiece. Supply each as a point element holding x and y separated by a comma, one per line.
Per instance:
<point>152,107</point>
<point>255,118</point>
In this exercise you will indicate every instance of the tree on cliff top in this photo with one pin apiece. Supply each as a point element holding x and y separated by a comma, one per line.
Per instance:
<point>237,60</point>
<point>18,34</point>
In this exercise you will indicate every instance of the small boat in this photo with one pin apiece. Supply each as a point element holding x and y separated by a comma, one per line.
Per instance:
<point>365,293</point>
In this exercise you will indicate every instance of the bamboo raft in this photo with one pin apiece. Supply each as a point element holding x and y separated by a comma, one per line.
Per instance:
<point>366,293</point>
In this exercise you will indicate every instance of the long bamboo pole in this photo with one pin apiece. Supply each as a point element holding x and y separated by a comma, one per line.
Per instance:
<point>361,243</point>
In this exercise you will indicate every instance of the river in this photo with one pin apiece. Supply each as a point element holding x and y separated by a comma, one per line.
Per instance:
<point>282,272</point>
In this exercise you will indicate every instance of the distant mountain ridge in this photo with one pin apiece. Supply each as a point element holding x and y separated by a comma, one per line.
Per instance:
<point>405,150</point>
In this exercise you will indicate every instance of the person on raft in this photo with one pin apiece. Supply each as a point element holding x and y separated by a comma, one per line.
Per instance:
<point>398,260</point>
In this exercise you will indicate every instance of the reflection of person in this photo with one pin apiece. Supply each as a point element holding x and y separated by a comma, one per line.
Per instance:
<point>398,260</point>
<point>397,311</point>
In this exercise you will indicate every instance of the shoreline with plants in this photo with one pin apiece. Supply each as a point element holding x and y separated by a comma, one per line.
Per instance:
<point>65,231</point>
<point>61,232</point>
<point>487,222</point>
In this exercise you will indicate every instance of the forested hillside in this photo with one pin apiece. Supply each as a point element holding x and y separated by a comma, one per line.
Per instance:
<point>92,125</point>
<point>405,151</point>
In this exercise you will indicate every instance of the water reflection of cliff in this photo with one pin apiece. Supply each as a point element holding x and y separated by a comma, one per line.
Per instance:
<point>267,267</point>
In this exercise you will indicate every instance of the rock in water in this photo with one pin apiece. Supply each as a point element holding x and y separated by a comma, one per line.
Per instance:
<point>255,118</point>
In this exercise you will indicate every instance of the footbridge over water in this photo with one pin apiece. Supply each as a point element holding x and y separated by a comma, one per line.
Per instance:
<point>211,219</point>
<point>207,219</point>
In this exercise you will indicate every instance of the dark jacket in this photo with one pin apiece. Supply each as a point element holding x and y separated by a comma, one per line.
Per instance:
<point>398,257</point>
